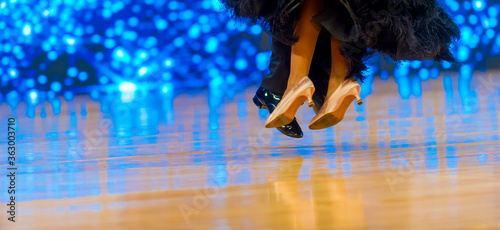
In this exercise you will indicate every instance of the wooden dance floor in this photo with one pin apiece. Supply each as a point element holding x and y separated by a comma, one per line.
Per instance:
<point>429,159</point>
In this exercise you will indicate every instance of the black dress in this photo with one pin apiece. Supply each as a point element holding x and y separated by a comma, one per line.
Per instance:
<point>400,29</point>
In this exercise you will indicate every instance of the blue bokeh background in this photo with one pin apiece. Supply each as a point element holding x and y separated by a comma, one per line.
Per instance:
<point>67,47</point>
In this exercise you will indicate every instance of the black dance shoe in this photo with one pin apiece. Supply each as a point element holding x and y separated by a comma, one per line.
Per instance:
<point>265,99</point>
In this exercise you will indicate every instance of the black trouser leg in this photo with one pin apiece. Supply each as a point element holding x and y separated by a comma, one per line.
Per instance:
<point>279,66</point>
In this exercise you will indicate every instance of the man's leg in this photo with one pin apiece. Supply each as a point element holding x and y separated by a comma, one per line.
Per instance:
<point>320,68</point>
<point>279,67</point>
<point>274,85</point>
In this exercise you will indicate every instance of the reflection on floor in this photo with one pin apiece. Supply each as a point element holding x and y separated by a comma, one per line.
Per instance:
<point>422,157</point>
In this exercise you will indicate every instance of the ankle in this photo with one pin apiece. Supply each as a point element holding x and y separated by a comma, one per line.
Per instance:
<point>292,82</point>
<point>333,85</point>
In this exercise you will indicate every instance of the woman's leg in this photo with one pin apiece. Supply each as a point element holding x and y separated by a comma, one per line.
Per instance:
<point>340,67</point>
<point>302,52</point>
<point>299,87</point>
<point>341,92</point>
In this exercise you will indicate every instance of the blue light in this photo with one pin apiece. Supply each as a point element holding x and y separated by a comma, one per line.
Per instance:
<point>109,43</point>
<point>7,48</point>
<point>120,54</point>
<point>151,42</point>
<point>467,5</point>
<point>217,5</point>
<point>493,11</point>
<point>46,46</point>
<point>167,88</point>
<point>194,31</point>
<point>110,32</point>
<point>30,83</point>
<point>68,81</point>
<point>460,19</point>
<point>27,30</point>
<point>262,60</point>
<point>241,64</point>
<point>70,41</point>
<point>56,86</point>
<point>128,39</point>
<point>434,73</point>
<point>404,87</point>
<point>95,38</point>
<point>255,29</point>
<point>231,79</point>
<point>83,76</point>
<point>479,56</point>
<point>5,60</point>
<point>216,82</point>
<point>78,31</point>
<point>167,76</point>
<point>203,19</point>
<point>72,71</point>
<point>99,56</point>
<point>454,6</point>
<point>133,21</point>
<point>490,33</point>
<point>136,8</point>
<point>143,54</point>
<point>127,87</point>
<point>212,45</point>
<point>103,80</point>
<point>161,24</point>
<point>493,22</point>
<point>197,58</point>
<point>129,35</point>
<point>94,94</point>
<point>143,71</point>
<point>186,15</point>
<point>33,94</point>
<point>13,73</point>
<point>169,63</point>
<point>106,13</point>
<point>173,5</point>
<point>117,6</point>
<point>424,74</point>
<point>68,96</point>
<point>478,5</point>
<point>466,71</point>
<point>42,79</point>
<point>178,42</point>
<point>172,16</point>
<point>463,53</point>
<point>89,29</point>
<point>401,71</point>
<point>416,64</point>
<point>473,19</point>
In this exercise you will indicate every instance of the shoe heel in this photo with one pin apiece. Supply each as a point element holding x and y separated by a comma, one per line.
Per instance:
<point>258,103</point>
<point>356,93</point>
<point>310,101</point>
<point>359,101</point>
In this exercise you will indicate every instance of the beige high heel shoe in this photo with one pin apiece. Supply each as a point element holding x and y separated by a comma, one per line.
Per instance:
<point>290,103</point>
<point>336,105</point>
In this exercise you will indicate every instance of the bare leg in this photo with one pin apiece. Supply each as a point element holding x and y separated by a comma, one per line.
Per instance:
<point>340,67</point>
<point>341,92</point>
<point>299,88</point>
<point>303,50</point>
